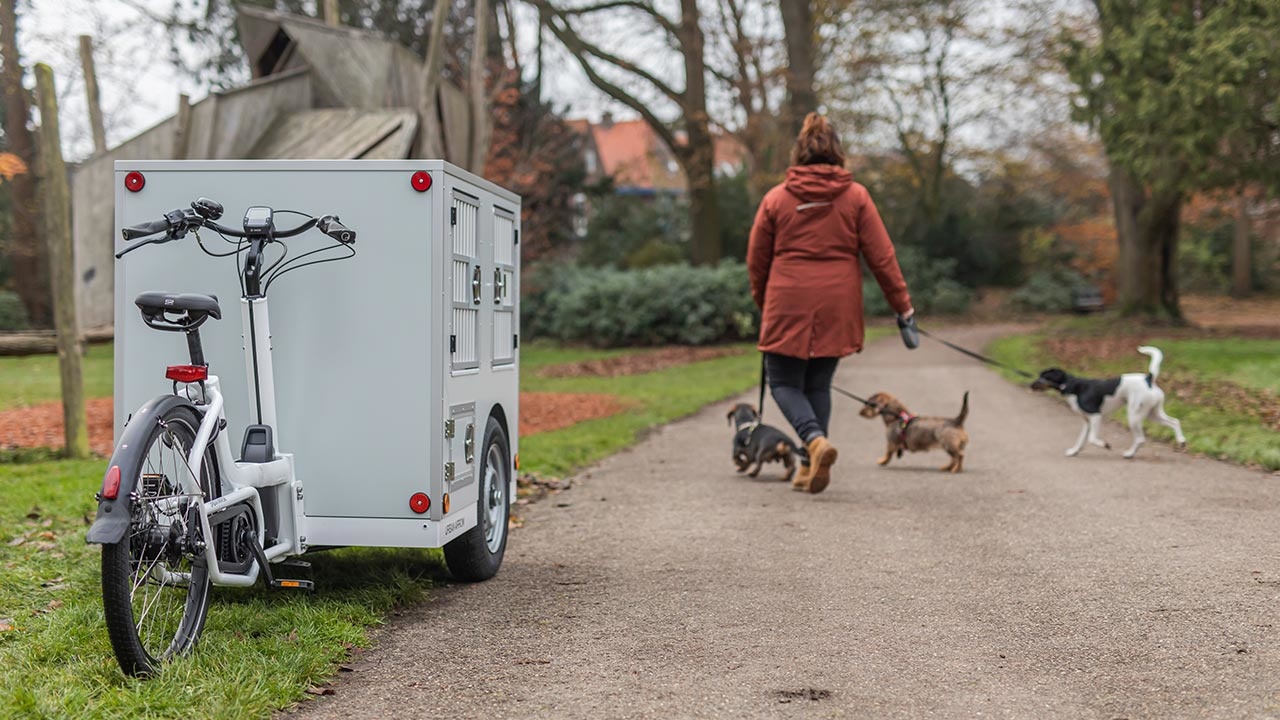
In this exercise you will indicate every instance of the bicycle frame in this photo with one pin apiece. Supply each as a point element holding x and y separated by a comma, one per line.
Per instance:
<point>244,480</point>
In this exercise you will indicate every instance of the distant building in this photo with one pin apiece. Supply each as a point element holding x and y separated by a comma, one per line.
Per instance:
<point>639,162</point>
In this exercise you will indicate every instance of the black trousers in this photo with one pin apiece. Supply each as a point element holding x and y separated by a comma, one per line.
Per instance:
<point>802,389</point>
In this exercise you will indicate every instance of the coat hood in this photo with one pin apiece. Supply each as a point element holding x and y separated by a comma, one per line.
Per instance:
<point>817,183</point>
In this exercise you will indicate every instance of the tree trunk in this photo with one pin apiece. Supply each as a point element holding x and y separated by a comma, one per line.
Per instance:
<point>430,136</point>
<point>1147,230</point>
<point>698,155</point>
<point>28,259</point>
<point>1241,251</point>
<point>91,95</point>
<point>55,208</point>
<point>797,24</point>
<point>479,91</point>
<point>331,16</point>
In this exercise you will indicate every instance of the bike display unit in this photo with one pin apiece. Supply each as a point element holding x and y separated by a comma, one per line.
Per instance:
<point>375,404</point>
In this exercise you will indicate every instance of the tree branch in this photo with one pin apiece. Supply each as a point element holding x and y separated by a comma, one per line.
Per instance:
<point>576,46</point>
<point>646,8</point>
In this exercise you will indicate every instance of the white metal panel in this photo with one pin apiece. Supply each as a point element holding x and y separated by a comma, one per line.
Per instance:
<point>360,346</point>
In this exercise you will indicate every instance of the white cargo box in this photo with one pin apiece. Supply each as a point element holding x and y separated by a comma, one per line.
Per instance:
<point>387,365</point>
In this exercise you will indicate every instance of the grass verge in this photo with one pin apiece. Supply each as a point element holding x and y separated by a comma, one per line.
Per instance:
<point>33,379</point>
<point>1213,425</point>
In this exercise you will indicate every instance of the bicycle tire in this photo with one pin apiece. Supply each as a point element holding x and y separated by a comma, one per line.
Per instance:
<point>132,564</point>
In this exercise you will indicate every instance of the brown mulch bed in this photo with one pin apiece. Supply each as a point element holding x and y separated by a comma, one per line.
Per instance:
<point>546,411</point>
<point>41,425</point>
<point>638,363</point>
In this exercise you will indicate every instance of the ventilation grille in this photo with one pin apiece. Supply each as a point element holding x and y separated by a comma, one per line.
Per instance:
<point>504,240</point>
<point>464,328</point>
<point>464,232</point>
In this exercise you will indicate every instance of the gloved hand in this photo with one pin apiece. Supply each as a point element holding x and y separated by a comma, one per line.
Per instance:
<point>910,333</point>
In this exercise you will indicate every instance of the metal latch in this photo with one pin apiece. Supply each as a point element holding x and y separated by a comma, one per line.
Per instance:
<point>448,472</point>
<point>469,444</point>
<point>476,284</point>
<point>499,285</point>
<point>448,428</point>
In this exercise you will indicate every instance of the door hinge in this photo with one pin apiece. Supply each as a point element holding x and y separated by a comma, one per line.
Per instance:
<point>448,472</point>
<point>515,341</point>
<point>453,216</point>
<point>453,343</point>
<point>517,236</point>
<point>449,428</point>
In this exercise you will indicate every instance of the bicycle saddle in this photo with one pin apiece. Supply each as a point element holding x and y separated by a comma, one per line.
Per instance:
<point>196,307</point>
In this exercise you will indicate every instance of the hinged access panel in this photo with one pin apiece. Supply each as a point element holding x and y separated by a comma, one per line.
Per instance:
<point>505,291</point>
<point>467,282</point>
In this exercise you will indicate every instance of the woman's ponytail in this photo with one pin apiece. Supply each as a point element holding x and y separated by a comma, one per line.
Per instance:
<point>818,143</point>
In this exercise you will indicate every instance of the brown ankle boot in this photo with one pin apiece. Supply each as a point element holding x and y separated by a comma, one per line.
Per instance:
<point>800,480</point>
<point>821,457</point>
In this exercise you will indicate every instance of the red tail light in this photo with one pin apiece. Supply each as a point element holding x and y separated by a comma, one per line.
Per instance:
<point>134,181</point>
<point>111,483</point>
<point>187,373</point>
<point>421,181</point>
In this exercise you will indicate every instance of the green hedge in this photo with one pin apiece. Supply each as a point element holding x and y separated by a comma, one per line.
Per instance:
<point>1049,291</point>
<point>687,305</point>
<point>13,315</point>
<point>672,304</point>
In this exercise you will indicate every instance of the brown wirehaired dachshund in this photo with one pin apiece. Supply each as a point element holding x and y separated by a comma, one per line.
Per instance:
<point>905,431</point>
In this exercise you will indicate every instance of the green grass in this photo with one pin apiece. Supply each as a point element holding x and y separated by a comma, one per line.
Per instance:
<point>259,652</point>
<point>34,379</point>
<point>1214,431</point>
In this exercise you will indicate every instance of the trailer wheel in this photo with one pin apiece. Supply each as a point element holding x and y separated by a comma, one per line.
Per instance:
<point>477,554</point>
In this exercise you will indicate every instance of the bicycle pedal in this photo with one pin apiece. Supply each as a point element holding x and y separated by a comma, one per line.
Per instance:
<point>281,584</point>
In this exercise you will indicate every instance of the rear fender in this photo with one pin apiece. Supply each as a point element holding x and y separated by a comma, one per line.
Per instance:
<point>112,520</point>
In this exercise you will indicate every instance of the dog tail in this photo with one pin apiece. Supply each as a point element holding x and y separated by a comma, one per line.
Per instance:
<point>964,411</point>
<point>1156,356</point>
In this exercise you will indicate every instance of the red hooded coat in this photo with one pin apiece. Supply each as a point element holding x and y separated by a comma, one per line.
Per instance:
<point>803,260</point>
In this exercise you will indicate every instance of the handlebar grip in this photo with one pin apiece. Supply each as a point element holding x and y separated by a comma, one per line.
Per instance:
<point>330,226</point>
<point>147,228</point>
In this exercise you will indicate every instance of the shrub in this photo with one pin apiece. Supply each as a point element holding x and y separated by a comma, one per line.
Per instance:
<point>932,282</point>
<point>670,304</point>
<point>13,314</point>
<point>1049,291</point>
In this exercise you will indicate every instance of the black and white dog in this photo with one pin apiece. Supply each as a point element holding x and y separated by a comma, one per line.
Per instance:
<point>1095,398</point>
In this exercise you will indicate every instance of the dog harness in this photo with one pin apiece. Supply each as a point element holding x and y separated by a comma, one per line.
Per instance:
<point>904,419</point>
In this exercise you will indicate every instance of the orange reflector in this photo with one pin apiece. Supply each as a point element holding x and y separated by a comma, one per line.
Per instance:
<point>444,503</point>
<point>290,583</point>
<point>517,461</point>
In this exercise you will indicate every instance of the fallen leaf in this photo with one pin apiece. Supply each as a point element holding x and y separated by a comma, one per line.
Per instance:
<point>45,545</point>
<point>51,583</point>
<point>346,668</point>
<point>17,541</point>
<point>34,513</point>
<point>313,690</point>
<point>47,523</point>
<point>53,605</point>
<point>6,625</point>
<point>47,535</point>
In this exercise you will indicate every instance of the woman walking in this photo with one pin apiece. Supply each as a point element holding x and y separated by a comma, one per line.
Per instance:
<point>803,258</point>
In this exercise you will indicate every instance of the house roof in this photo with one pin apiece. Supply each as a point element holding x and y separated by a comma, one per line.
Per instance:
<point>631,152</point>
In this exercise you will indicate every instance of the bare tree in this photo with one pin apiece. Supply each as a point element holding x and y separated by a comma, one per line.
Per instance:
<point>802,98</point>
<point>28,258</point>
<point>694,151</point>
<point>481,127</point>
<point>429,139</point>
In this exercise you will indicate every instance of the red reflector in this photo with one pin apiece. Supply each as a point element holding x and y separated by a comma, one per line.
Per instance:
<point>133,182</point>
<point>111,483</point>
<point>187,373</point>
<point>420,181</point>
<point>419,503</point>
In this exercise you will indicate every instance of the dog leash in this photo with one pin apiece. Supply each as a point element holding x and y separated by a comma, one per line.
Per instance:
<point>976,356</point>
<point>864,401</point>
<point>763,379</point>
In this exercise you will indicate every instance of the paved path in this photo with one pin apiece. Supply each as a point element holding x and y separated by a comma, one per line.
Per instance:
<point>1033,585</point>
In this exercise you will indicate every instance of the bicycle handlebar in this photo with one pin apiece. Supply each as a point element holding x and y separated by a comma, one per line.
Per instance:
<point>176,224</point>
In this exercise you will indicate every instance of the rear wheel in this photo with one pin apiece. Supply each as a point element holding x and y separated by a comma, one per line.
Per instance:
<point>155,582</point>
<point>477,554</point>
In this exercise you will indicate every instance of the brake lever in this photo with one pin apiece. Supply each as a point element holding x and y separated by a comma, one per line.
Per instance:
<point>153,241</point>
